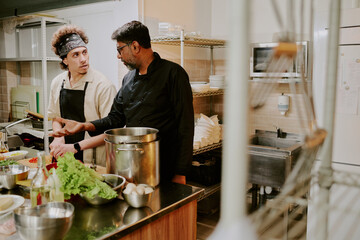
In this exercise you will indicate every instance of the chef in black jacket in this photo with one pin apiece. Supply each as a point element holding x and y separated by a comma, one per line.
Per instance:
<point>155,93</point>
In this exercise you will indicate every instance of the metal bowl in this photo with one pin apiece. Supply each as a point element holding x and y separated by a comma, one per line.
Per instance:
<point>49,221</point>
<point>10,174</point>
<point>115,180</point>
<point>137,200</point>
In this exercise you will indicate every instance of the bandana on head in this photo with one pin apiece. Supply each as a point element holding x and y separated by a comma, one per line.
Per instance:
<point>71,42</point>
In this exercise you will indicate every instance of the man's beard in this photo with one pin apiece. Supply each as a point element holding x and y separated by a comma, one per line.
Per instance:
<point>130,66</point>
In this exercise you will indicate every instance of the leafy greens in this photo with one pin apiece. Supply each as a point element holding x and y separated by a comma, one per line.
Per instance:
<point>76,178</point>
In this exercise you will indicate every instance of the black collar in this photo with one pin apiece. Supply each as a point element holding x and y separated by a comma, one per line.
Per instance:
<point>152,66</point>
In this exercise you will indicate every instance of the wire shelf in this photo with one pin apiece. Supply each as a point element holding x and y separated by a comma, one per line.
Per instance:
<point>209,93</point>
<point>189,41</point>
<point>207,148</point>
<point>208,190</point>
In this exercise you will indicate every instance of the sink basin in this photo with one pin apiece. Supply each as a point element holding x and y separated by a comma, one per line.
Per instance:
<point>272,158</point>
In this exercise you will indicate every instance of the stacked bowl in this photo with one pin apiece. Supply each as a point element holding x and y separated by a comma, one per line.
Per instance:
<point>217,81</point>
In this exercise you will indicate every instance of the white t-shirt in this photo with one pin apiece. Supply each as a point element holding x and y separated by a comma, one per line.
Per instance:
<point>99,97</point>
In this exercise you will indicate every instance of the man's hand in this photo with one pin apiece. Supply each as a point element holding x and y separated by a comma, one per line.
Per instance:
<point>57,142</point>
<point>61,149</point>
<point>179,179</point>
<point>70,127</point>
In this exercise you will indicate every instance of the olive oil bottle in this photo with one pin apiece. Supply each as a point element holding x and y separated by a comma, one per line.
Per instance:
<point>40,188</point>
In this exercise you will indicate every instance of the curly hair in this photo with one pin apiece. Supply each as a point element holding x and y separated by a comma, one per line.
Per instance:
<point>61,34</point>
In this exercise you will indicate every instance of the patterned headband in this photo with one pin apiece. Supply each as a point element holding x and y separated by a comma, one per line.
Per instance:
<point>71,42</point>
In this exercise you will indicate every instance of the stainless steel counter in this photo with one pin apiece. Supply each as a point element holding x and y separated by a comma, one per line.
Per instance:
<point>117,219</point>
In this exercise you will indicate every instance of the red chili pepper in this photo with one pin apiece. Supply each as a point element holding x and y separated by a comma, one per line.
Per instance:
<point>38,199</point>
<point>33,160</point>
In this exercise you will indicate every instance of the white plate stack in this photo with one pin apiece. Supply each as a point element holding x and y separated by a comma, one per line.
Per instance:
<point>217,81</point>
<point>207,131</point>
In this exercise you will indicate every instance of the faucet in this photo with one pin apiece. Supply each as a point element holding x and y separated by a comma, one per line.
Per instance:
<point>4,130</point>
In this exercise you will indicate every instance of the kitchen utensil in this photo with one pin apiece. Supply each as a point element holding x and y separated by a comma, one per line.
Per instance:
<point>36,115</point>
<point>115,180</point>
<point>49,221</point>
<point>138,163</point>
<point>138,200</point>
<point>131,135</point>
<point>134,154</point>
<point>9,175</point>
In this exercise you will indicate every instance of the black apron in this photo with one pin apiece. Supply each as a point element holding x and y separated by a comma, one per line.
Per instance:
<point>72,107</point>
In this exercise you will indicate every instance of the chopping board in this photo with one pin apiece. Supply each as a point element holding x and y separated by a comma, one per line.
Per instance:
<point>26,162</point>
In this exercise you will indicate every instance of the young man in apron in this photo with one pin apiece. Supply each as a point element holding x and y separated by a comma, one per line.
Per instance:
<point>80,93</point>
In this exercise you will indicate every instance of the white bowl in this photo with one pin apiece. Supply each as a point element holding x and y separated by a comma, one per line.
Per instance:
<point>216,77</point>
<point>200,87</point>
<point>15,155</point>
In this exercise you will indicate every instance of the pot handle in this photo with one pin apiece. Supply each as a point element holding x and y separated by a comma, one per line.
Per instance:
<point>134,149</point>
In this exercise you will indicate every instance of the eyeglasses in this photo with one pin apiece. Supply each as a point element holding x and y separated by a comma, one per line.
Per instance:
<point>120,48</point>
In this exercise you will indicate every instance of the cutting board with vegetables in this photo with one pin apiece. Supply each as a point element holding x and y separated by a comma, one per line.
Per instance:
<point>32,163</point>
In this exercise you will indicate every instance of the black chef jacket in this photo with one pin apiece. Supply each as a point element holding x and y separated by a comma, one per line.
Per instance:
<point>160,99</point>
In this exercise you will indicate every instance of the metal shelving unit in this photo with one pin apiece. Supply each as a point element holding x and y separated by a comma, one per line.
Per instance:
<point>202,43</point>
<point>183,40</point>
<point>42,23</point>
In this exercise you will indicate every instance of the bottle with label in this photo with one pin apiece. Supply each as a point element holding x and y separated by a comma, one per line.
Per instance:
<point>40,188</point>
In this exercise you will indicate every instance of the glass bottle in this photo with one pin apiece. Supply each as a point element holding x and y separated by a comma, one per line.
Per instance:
<point>40,188</point>
<point>56,195</point>
<point>3,143</point>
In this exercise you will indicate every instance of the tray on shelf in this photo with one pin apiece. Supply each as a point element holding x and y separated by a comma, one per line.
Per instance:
<point>208,93</point>
<point>207,148</point>
<point>189,41</point>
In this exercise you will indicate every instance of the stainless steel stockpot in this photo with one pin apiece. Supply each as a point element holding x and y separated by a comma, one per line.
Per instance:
<point>131,135</point>
<point>137,158</point>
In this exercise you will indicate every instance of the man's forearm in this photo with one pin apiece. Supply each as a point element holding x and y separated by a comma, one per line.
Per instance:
<point>88,126</point>
<point>92,142</point>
